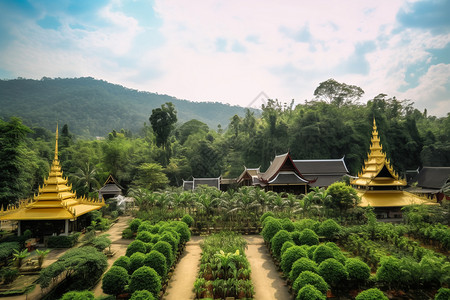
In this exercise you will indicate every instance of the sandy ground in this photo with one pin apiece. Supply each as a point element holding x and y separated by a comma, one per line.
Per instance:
<point>181,285</point>
<point>265,277</point>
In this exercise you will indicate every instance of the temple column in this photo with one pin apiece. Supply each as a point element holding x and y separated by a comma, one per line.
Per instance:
<point>66,227</point>
<point>19,229</point>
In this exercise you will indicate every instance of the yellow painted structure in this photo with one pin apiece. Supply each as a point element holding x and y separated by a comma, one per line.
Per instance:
<point>378,184</point>
<point>55,200</point>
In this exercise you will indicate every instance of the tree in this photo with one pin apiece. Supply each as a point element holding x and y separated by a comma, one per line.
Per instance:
<point>338,93</point>
<point>343,196</point>
<point>85,177</point>
<point>163,120</point>
<point>145,278</point>
<point>151,176</point>
<point>332,271</point>
<point>115,280</point>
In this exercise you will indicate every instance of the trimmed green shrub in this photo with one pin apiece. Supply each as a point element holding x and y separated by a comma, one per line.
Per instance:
<point>329,228</point>
<point>148,247</point>
<point>265,215</point>
<point>389,272</point>
<point>295,236</point>
<point>145,226</point>
<point>307,224</point>
<point>9,274</point>
<point>285,246</point>
<point>373,294</point>
<point>271,227</point>
<point>290,256</point>
<point>278,240</point>
<point>157,261</point>
<point>311,251</point>
<point>322,253</point>
<point>134,224</point>
<point>333,271</point>
<point>336,252</point>
<point>188,220</point>
<point>301,265</point>
<point>136,261</point>
<point>145,278</point>
<point>123,261</point>
<point>309,292</point>
<point>287,224</point>
<point>62,241</point>
<point>156,238</point>
<point>115,280</point>
<point>142,295</point>
<point>136,246</point>
<point>168,237</point>
<point>127,233</point>
<point>442,294</point>
<point>308,277</point>
<point>183,230</point>
<point>166,250</point>
<point>144,236</point>
<point>358,271</point>
<point>78,295</point>
<point>308,237</point>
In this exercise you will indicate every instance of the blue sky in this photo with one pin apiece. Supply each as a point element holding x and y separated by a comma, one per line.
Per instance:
<point>231,51</point>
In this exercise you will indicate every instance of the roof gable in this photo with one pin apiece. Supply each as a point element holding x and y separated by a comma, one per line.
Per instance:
<point>433,177</point>
<point>280,163</point>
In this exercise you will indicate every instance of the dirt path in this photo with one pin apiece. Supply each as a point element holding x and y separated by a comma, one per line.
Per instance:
<point>118,245</point>
<point>181,285</point>
<point>265,277</point>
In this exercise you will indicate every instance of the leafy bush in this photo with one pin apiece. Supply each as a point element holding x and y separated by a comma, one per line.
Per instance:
<point>115,280</point>
<point>308,277</point>
<point>145,278</point>
<point>134,224</point>
<point>287,224</point>
<point>311,251</point>
<point>123,261</point>
<point>101,242</point>
<point>183,230</point>
<point>157,261</point>
<point>285,246</point>
<point>78,295</point>
<point>166,250</point>
<point>9,274</point>
<point>142,295</point>
<point>188,220</point>
<point>358,271</point>
<point>168,237</point>
<point>442,294</point>
<point>127,233</point>
<point>389,271</point>
<point>307,224</point>
<point>336,252</point>
<point>308,237</point>
<point>146,226</point>
<point>265,215</point>
<point>148,247</point>
<point>136,246</point>
<point>301,265</point>
<point>295,236</point>
<point>333,271</point>
<point>62,241</point>
<point>309,292</point>
<point>144,236</point>
<point>290,256</point>
<point>372,294</point>
<point>322,253</point>
<point>136,261</point>
<point>271,227</point>
<point>7,249</point>
<point>329,228</point>
<point>278,240</point>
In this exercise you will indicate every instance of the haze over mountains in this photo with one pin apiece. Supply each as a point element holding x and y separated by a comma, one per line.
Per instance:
<point>94,107</point>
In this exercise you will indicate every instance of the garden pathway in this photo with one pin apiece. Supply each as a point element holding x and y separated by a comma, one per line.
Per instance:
<point>181,285</point>
<point>265,276</point>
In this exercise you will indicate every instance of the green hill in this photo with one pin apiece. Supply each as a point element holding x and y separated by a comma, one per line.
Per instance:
<point>94,107</point>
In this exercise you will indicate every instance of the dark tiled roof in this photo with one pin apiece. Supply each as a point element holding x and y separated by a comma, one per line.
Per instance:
<point>280,163</point>
<point>433,177</point>
<point>188,185</point>
<point>112,180</point>
<point>287,178</point>
<point>321,166</point>
<point>110,189</point>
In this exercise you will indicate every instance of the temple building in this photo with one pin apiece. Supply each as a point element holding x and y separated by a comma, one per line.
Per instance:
<point>324,171</point>
<point>281,176</point>
<point>431,182</point>
<point>380,186</point>
<point>56,209</point>
<point>110,189</point>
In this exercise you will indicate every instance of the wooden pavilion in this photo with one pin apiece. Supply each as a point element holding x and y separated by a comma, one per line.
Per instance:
<point>380,186</point>
<point>55,209</point>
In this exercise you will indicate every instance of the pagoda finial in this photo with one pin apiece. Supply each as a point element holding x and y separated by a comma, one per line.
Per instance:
<point>56,144</point>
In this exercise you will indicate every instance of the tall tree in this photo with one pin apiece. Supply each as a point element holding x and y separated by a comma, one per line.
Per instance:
<point>163,122</point>
<point>338,93</point>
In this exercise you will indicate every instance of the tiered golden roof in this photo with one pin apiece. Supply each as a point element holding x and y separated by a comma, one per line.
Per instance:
<point>378,184</point>
<point>55,199</point>
<point>377,169</point>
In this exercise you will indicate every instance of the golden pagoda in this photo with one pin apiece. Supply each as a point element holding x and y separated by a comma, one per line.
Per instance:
<point>379,185</point>
<point>55,202</point>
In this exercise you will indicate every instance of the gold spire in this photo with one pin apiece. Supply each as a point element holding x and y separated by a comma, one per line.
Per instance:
<point>56,144</point>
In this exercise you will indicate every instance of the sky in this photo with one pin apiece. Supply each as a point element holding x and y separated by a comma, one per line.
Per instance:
<point>236,52</point>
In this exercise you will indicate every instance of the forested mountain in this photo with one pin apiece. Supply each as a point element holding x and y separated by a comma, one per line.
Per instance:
<point>95,107</point>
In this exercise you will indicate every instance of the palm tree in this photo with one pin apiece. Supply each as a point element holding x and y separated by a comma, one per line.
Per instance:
<point>85,177</point>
